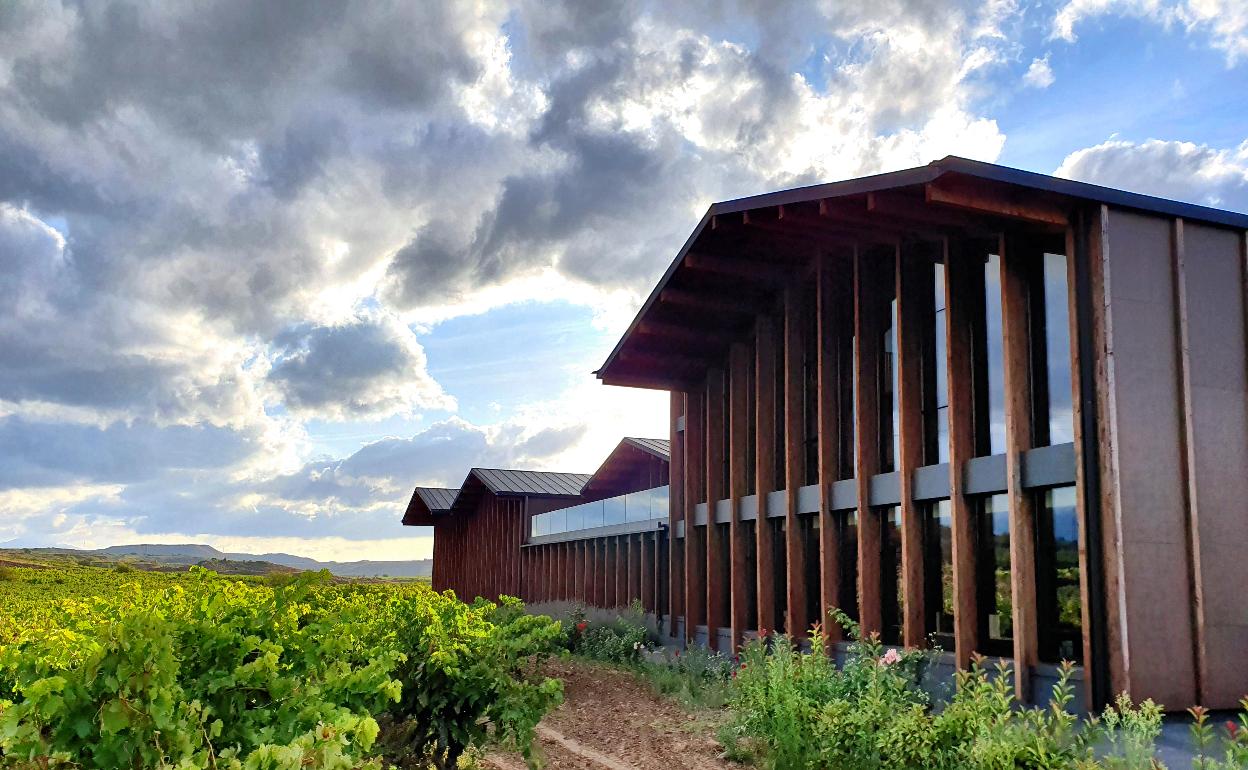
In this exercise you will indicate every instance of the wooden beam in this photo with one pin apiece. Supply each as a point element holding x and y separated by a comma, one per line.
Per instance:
<point>676,512</point>
<point>738,268</point>
<point>738,430</point>
<point>713,303</point>
<point>854,213</point>
<point>1016,365</point>
<point>699,333</point>
<point>828,272</point>
<point>867,418</point>
<point>695,553</point>
<point>717,585</point>
<point>794,463</point>
<point>646,551</point>
<point>964,285</point>
<point>915,312</point>
<point>980,196</point>
<point>765,468</point>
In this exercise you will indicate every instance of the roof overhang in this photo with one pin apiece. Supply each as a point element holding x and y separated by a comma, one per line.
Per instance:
<point>427,505</point>
<point>627,457</point>
<point>743,252</point>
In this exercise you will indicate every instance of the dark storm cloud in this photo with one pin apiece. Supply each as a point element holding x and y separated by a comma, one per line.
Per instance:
<point>358,369</point>
<point>57,454</point>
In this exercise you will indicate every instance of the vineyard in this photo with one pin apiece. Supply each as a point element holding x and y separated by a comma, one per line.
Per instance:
<point>125,669</point>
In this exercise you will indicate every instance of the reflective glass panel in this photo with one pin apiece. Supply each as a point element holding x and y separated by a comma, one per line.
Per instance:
<point>1057,349</point>
<point>614,511</point>
<point>890,573</point>
<point>996,617</point>
<point>1059,600</point>
<point>938,571</point>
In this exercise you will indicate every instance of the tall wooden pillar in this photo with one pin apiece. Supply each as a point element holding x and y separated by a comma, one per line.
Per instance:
<point>914,311</point>
<point>765,469</point>
<point>828,270</point>
<point>964,285</point>
<point>695,554</point>
<point>1016,360</point>
<point>646,552</point>
<point>717,585</point>
<point>738,429</point>
<point>867,418</point>
<point>635,543</point>
<point>676,513</point>
<point>794,463</point>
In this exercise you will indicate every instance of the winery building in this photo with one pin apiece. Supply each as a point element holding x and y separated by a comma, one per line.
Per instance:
<point>971,406</point>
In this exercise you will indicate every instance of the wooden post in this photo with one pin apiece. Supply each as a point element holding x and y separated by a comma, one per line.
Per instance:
<point>1016,363</point>
<point>867,418</point>
<point>646,549</point>
<point>964,282</point>
<point>716,581</point>
<point>676,513</point>
<point>829,443</point>
<point>914,310</point>
<point>695,555</point>
<point>738,429</point>
<point>765,468</point>
<point>794,463</point>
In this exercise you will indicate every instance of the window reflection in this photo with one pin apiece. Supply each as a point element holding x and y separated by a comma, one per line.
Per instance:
<point>1057,350</point>
<point>1059,602</point>
<point>991,403</point>
<point>890,574</point>
<point>847,537</point>
<point>995,602</point>
<point>938,572</point>
<point>938,379</point>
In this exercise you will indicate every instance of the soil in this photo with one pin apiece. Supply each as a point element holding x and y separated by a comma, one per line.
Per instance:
<point>610,720</point>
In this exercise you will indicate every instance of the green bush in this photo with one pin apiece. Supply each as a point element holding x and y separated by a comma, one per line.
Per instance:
<point>794,709</point>
<point>8,574</point>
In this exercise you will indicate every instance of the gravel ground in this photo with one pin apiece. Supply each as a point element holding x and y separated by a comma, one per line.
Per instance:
<point>611,720</point>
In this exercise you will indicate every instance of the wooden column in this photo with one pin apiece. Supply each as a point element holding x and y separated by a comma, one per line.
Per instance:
<point>587,575</point>
<point>867,418</point>
<point>964,284</point>
<point>695,555</point>
<point>1016,363</point>
<point>596,558</point>
<point>646,549</point>
<point>717,585</point>
<point>914,310</point>
<point>828,270</point>
<point>794,464</point>
<point>738,417</point>
<point>676,513</point>
<point>765,468</point>
<point>633,590</point>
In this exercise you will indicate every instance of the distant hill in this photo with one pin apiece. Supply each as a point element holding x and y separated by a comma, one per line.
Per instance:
<point>187,554</point>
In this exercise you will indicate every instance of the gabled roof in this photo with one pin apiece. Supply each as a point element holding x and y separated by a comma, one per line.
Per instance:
<point>659,447</point>
<point>512,483</point>
<point>742,248</point>
<point>426,503</point>
<point>630,455</point>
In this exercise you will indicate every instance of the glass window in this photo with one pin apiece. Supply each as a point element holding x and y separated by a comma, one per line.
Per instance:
<point>996,618</point>
<point>778,422</point>
<point>936,379</point>
<point>1059,602</point>
<point>1059,417</point>
<point>660,502</point>
<point>751,421</point>
<point>637,506</point>
<point>614,511</point>
<point>890,416</point>
<point>990,404</point>
<point>847,536</point>
<point>891,582</point>
<point>576,518</point>
<point>810,385</point>
<point>847,381</point>
<point>938,573</point>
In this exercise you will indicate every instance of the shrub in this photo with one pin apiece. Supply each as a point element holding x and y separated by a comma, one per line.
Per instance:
<point>8,574</point>
<point>793,709</point>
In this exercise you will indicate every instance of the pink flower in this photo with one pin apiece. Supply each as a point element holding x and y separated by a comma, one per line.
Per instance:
<point>890,657</point>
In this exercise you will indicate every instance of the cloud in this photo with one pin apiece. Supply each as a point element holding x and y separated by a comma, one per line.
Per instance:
<point>1225,22</point>
<point>1039,74</point>
<point>371,366</point>
<point>1195,173</point>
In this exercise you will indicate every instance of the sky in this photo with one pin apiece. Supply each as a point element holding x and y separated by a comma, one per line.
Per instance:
<point>264,267</point>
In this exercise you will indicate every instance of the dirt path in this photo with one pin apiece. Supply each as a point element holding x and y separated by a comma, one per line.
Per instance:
<point>611,721</point>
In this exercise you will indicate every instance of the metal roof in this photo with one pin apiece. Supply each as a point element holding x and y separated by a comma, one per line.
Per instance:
<point>438,499</point>
<point>426,503</point>
<point>659,447</point>
<point>1018,183</point>
<point>532,483</point>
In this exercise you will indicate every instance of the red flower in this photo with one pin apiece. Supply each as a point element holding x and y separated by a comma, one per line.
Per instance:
<point>581,626</point>
<point>1232,728</point>
<point>678,653</point>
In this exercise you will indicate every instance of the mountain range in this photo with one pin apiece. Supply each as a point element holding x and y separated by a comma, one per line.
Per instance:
<point>194,553</point>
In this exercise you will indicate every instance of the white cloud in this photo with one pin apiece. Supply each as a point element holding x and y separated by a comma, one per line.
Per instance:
<point>1184,171</point>
<point>1225,22</point>
<point>1039,74</point>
